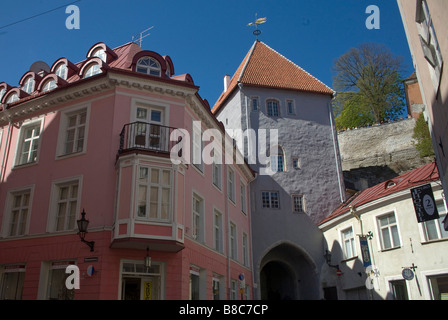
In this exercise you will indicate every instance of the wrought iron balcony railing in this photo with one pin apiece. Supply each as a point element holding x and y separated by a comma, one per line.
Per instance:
<point>146,136</point>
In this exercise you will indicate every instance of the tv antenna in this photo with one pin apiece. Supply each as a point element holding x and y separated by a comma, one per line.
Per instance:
<point>255,24</point>
<point>139,38</point>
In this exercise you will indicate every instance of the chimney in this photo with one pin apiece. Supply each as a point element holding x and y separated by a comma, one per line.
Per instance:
<point>226,82</point>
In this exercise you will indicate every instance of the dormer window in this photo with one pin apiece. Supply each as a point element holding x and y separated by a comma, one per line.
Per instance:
<point>49,85</point>
<point>28,85</point>
<point>149,66</point>
<point>61,71</point>
<point>2,93</point>
<point>100,53</point>
<point>92,70</point>
<point>13,97</point>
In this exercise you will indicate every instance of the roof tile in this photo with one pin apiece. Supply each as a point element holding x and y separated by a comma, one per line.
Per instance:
<point>265,67</point>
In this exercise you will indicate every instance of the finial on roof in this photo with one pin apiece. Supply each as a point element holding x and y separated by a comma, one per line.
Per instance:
<point>140,36</point>
<point>257,22</point>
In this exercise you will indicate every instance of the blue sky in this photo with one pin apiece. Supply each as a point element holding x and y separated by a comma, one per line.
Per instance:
<point>205,38</point>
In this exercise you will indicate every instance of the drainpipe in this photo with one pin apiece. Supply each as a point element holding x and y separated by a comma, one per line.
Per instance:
<point>335,148</point>
<point>226,208</point>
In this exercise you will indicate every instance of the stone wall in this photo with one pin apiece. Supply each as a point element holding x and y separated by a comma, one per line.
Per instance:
<point>375,154</point>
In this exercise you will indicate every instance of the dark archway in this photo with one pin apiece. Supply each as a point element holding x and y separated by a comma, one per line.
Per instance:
<point>278,282</point>
<point>288,272</point>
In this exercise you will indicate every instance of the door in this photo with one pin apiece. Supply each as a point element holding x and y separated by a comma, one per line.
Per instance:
<point>140,288</point>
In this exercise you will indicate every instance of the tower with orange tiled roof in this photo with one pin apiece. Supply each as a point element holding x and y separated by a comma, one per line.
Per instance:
<point>269,92</point>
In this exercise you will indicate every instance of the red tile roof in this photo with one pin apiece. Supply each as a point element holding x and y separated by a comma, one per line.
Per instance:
<point>265,67</point>
<point>416,177</point>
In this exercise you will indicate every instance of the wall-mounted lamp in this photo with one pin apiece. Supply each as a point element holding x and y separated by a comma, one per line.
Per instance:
<point>147,259</point>
<point>327,257</point>
<point>82,227</point>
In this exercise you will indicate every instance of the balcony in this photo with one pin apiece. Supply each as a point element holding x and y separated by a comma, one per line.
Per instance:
<point>146,137</point>
<point>148,214</point>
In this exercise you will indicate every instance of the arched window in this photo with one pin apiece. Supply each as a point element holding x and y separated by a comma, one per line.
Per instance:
<point>277,158</point>
<point>28,85</point>
<point>49,85</point>
<point>100,53</point>
<point>92,70</point>
<point>2,93</point>
<point>149,66</point>
<point>61,71</point>
<point>13,97</point>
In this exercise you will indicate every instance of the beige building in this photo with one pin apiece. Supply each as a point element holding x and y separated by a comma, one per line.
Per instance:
<point>426,24</point>
<point>395,241</point>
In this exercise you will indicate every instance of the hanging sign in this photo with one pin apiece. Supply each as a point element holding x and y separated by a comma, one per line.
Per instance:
<point>424,203</point>
<point>365,251</point>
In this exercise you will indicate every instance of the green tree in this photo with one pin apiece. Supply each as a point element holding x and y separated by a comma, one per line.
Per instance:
<point>369,85</point>
<point>423,137</point>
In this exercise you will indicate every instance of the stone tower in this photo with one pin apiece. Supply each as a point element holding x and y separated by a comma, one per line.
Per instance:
<point>299,180</point>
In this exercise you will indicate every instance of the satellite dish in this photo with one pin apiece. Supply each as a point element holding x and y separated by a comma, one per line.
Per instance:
<point>39,66</point>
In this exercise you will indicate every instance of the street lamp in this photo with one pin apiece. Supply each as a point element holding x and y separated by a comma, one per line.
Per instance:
<point>82,227</point>
<point>327,257</point>
<point>147,259</point>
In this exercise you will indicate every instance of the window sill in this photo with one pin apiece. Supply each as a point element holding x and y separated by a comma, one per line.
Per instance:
<point>70,155</point>
<point>427,242</point>
<point>390,249</point>
<point>25,165</point>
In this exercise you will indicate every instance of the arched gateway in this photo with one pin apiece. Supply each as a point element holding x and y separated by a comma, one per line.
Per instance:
<point>287,272</point>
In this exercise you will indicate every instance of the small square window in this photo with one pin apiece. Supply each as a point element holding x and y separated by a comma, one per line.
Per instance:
<point>290,106</point>
<point>295,163</point>
<point>298,203</point>
<point>255,103</point>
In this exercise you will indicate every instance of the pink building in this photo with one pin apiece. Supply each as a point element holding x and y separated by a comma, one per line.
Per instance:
<point>95,136</point>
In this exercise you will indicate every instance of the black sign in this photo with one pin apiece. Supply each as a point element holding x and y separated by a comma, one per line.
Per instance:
<point>424,203</point>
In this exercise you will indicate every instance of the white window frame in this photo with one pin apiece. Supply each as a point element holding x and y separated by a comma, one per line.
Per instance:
<point>198,218</point>
<point>351,241</point>
<point>429,43</point>
<point>197,146</point>
<point>91,70</point>
<point>62,71</point>
<point>390,233</point>
<point>245,249</point>
<point>438,225</point>
<point>231,184</point>
<point>12,97</point>
<point>148,184</point>
<point>9,206</point>
<point>243,196</point>
<point>218,232</point>
<point>149,69</point>
<point>52,222</point>
<point>34,140</point>
<point>63,131</point>
<point>217,170</point>
<point>50,84</point>
<point>28,85</point>
<point>233,241</point>
<point>2,93</point>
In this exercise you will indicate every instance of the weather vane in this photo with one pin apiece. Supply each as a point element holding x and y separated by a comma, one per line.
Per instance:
<point>257,22</point>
